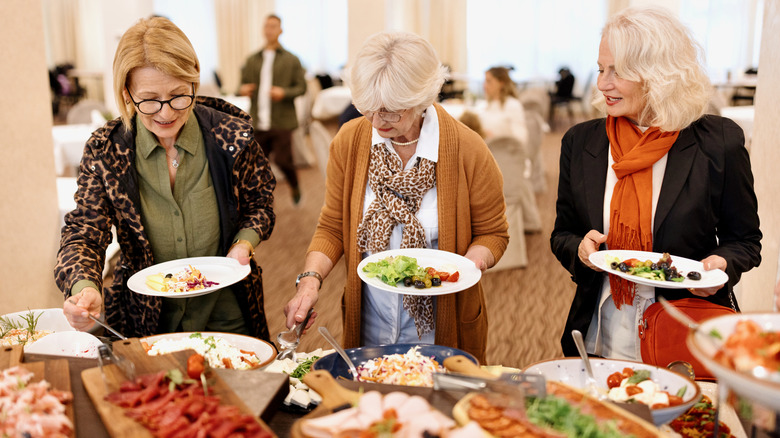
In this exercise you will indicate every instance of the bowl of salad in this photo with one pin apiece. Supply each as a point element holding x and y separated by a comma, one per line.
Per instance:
<point>667,393</point>
<point>397,364</point>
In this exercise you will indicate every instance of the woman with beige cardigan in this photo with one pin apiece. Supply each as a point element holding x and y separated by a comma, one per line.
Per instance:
<point>407,175</point>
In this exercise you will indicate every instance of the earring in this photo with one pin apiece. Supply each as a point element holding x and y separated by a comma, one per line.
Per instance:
<point>127,102</point>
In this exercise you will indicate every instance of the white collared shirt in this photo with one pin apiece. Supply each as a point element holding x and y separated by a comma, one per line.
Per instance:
<point>264,90</point>
<point>613,333</point>
<point>384,319</point>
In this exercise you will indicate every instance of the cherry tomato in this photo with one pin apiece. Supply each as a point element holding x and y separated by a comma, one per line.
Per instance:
<point>195,366</point>
<point>453,277</point>
<point>614,379</point>
<point>632,262</point>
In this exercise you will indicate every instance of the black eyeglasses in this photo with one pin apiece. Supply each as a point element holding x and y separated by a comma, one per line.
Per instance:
<point>153,106</point>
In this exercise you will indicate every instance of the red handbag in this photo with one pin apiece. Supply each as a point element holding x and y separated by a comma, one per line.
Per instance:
<point>662,338</point>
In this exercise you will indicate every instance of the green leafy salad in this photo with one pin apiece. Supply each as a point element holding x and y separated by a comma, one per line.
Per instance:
<point>393,270</point>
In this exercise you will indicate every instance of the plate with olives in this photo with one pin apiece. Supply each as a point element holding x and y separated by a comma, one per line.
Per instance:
<point>454,272</point>
<point>658,270</point>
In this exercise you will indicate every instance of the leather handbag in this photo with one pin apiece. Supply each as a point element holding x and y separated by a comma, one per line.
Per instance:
<point>662,338</point>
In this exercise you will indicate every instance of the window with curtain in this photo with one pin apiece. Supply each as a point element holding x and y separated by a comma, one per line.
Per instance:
<point>535,38</point>
<point>315,31</point>
<point>728,30</point>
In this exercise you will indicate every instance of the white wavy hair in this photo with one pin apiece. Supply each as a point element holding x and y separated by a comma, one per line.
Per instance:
<point>653,47</point>
<point>395,71</point>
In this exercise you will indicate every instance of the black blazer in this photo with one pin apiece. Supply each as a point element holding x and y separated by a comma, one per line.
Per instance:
<point>706,206</point>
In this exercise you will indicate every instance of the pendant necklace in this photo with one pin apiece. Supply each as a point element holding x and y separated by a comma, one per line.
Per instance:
<point>174,160</point>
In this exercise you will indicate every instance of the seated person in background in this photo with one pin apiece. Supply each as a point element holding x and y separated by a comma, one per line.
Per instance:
<point>564,86</point>
<point>472,121</point>
<point>504,115</point>
<point>349,113</point>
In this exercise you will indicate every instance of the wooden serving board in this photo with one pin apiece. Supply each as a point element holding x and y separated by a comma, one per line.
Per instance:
<point>113,417</point>
<point>56,372</point>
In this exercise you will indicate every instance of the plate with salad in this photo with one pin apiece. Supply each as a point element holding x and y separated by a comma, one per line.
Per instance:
<point>658,270</point>
<point>418,271</point>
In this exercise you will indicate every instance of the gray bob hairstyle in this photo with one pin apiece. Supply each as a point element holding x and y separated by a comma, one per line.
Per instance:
<point>395,71</point>
<point>654,48</point>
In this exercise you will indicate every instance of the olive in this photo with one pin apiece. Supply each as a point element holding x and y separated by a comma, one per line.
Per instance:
<point>654,267</point>
<point>663,265</point>
<point>408,281</point>
<point>416,278</point>
<point>168,275</point>
<point>613,265</point>
<point>623,267</point>
<point>428,282</point>
<point>435,281</point>
<point>419,284</point>
<point>693,275</point>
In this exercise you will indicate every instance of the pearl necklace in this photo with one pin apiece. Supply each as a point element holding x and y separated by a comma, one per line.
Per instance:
<point>405,144</point>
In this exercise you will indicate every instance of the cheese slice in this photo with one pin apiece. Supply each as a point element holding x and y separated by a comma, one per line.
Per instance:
<point>156,282</point>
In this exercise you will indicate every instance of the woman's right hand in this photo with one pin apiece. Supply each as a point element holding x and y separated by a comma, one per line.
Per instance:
<point>590,244</point>
<point>305,298</point>
<point>78,308</point>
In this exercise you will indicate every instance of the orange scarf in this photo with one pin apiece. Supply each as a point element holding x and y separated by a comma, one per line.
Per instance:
<point>631,207</point>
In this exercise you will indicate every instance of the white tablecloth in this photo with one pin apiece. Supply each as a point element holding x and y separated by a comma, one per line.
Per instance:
<point>69,141</point>
<point>743,115</point>
<point>331,102</point>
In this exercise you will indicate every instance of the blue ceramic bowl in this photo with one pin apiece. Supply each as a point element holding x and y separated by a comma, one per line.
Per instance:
<point>335,365</point>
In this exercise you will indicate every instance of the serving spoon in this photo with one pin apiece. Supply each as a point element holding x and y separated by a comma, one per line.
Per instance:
<point>288,340</point>
<point>328,337</point>
<point>590,381</point>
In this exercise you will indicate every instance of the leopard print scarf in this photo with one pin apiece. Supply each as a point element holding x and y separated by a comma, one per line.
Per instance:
<point>398,197</point>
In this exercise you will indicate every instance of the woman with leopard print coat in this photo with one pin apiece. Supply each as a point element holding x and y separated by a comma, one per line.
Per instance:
<point>178,176</point>
<point>407,175</point>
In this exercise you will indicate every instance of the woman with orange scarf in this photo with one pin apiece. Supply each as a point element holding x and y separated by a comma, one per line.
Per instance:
<point>655,175</point>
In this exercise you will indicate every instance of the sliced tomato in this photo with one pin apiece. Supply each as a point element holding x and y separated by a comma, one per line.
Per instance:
<point>453,277</point>
<point>431,272</point>
<point>631,262</point>
<point>443,276</point>
<point>195,366</point>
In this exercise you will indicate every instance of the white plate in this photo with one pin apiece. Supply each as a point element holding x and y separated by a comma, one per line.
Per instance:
<point>571,371</point>
<point>72,344</point>
<point>701,344</point>
<point>262,349</point>
<point>712,278</point>
<point>222,270</point>
<point>439,260</point>
<point>49,319</point>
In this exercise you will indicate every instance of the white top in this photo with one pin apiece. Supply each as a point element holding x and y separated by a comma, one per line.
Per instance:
<point>506,121</point>
<point>384,319</point>
<point>612,332</point>
<point>264,90</point>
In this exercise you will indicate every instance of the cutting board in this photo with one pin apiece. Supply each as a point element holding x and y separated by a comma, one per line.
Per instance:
<point>113,417</point>
<point>55,372</point>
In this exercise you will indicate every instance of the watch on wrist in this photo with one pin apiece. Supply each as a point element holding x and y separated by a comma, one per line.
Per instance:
<point>309,274</point>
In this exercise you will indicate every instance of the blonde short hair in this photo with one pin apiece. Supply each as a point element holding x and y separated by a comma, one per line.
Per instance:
<point>395,71</point>
<point>653,47</point>
<point>153,42</point>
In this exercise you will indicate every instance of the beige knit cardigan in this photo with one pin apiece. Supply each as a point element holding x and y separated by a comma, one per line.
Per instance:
<point>471,212</point>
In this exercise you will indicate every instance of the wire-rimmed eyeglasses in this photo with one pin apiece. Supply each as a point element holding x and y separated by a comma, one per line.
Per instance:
<point>385,116</point>
<point>153,106</point>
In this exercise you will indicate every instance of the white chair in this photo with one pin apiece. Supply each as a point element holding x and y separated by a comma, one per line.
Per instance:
<point>320,141</point>
<point>82,112</point>
<point>535,171</point>
<point>520,202</point>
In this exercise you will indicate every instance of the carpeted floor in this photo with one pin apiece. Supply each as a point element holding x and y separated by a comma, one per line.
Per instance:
<point>526,307</point>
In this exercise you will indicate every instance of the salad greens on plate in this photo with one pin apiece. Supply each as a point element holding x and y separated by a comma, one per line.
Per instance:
<point>393,270</point>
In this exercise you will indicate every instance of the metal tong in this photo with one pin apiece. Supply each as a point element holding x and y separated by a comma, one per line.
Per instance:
<point>515,385</point>
<point>106,356</point>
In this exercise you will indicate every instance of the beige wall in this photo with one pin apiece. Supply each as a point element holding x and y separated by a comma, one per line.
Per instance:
<point>757,285</point>
<point>29,222</point>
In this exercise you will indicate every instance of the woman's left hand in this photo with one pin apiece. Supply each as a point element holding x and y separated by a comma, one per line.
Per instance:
<point>240,252</point>
<point>710,263</point>
<point>481,256</point>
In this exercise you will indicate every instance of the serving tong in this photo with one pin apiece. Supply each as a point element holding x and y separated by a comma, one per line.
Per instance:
<point>464,374</point>
<point>106,357</point>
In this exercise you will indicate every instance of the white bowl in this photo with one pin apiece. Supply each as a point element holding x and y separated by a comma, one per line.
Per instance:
<point>49,319</point>
<point>73,344</point>
<point>763,391</point>
<point>571,371</point>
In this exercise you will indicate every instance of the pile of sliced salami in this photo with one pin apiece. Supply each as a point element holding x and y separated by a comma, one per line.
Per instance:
<point>183,410</point>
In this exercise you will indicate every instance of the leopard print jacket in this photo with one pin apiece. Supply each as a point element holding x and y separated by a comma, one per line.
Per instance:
<point>108,195</point>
